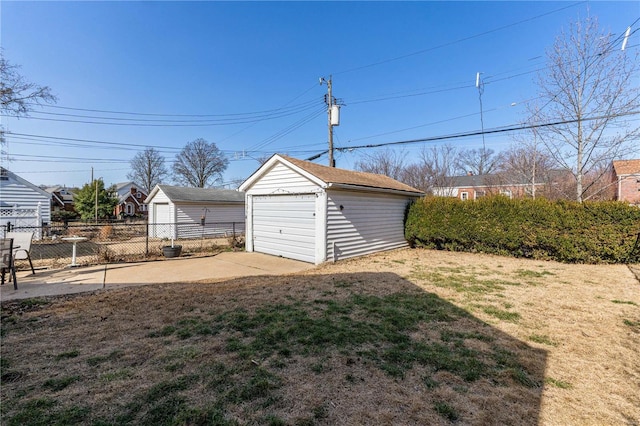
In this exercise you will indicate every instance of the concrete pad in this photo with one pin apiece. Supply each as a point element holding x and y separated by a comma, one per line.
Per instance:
<point>81,279</point>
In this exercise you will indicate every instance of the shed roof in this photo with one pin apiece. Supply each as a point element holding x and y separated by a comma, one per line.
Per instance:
<point>626,167</point>
<point>8,176</point>
<point>336,176</point>
<point>198,195</point>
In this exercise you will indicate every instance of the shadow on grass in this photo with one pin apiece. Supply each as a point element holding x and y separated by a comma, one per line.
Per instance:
<point>361,348</point>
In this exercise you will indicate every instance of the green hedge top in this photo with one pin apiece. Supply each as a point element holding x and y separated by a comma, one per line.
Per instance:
<point>590,232</point>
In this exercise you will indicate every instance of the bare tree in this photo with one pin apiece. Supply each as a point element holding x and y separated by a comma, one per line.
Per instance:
<point>482,161</point>
<point>588,86</point>
<point>598,184</point>
<point>418,175</point>
<point>200,164</point>
<point>148,169</point>
<point>387,162</point>
<point>17,94</point>
<point>526,164</point>
<point>434,171</point>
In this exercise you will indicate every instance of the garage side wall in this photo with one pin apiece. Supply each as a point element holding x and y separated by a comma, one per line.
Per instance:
<point>219,219</point>
<point>360,223</point>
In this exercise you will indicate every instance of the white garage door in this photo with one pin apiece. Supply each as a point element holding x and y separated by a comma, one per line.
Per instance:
<point>284,225</point>
<point>162,220</point>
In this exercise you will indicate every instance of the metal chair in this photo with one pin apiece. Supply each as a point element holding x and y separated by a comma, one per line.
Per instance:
<point>6,253</point>
<point>22,244</point>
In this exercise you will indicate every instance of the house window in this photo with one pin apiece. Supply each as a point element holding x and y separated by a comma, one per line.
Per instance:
<point>506,193</point>
<point>464,196</point>
<point>480,194</point>
<point>129,209</point>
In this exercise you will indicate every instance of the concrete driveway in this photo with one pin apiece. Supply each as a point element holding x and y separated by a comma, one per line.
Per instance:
<point>76,280</point>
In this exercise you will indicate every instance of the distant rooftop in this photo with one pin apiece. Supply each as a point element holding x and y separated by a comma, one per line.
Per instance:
<point>626,167</point>
<point>194,195</point>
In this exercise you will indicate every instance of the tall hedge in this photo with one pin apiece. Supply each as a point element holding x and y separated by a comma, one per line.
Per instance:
<point>591,232</point>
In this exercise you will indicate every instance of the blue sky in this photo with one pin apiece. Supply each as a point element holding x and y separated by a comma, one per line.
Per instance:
<point>245,76</point>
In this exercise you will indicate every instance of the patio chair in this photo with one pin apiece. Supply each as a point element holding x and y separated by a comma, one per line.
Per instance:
<point>22,240</point>
<point>6,253</point>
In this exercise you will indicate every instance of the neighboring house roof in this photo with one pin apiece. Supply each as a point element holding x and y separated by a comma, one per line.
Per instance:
<point>197,195</point>
<point>626,167</point>
<point>471,180</point>
<point>123,191</point>
<point>332,176</point>
<point>496,180</point>
<point>123,199</point>
<point>127,185</point>
<point>64,195</point>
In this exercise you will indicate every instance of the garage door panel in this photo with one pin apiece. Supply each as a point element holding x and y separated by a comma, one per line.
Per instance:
<point>284,225</point>
<point>275,232</point>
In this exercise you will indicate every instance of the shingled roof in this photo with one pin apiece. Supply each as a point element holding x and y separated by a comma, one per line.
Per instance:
<point>626,167</point>
<point>332,175</point>
<point>199,195</point>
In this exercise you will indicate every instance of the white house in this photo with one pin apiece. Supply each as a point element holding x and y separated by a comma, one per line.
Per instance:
<point>180,212</point>
<point>22,204</point>
<point>305,211</point>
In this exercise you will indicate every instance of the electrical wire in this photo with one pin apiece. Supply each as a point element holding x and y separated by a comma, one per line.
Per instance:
<point>147,114</point>
<point>511,128</point>
<point>451,43</point>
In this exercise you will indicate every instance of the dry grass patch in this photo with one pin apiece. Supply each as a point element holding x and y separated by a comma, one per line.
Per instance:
<point>406,337</point>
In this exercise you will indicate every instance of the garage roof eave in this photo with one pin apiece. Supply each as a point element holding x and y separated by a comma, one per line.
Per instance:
<point>374,189</point>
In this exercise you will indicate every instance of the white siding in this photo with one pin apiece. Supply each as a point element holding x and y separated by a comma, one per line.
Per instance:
<point>159,198</point>
<point>28,199</point>
<point>283,180</point>
<point>219,219</point>
<point>367,223</point>
<point>285,225</point>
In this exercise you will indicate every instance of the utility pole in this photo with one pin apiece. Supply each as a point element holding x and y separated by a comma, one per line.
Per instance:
<point>331,121</point>
<point>96,201</point>
<point>480,87</point>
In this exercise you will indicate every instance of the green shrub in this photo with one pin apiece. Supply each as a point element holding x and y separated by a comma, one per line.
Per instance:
<point>591,232</point>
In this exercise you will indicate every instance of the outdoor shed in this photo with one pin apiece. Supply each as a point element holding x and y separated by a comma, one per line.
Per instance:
<point>23,205</point>
<point>181,212</point>
<point>305,211</point>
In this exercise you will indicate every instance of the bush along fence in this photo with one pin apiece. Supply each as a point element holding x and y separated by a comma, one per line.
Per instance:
<point>591,232</point>
<point>52,245</point>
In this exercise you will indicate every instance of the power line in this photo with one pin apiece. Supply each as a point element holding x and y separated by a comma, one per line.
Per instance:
<point>147,114</point>
<point>162,123</point>
<point>419,52</point>
<point>511,128</point>
<point>90,141</point>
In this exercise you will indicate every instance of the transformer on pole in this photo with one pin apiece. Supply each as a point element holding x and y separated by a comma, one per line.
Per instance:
<point>333,116</point>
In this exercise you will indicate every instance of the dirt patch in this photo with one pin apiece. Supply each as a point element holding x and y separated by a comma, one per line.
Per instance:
<point>404,337</point>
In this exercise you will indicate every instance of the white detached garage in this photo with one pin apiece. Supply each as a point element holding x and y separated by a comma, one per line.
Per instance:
<point>174,210</point>
<point>305,211</point>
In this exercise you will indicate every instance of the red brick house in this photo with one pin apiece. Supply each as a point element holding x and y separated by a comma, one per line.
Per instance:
<point>472,187</point>
<point>130,200</point>
<point>626,179</point>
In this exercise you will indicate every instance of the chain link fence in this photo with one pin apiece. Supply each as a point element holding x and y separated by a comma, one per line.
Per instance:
<point>52,245</point>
